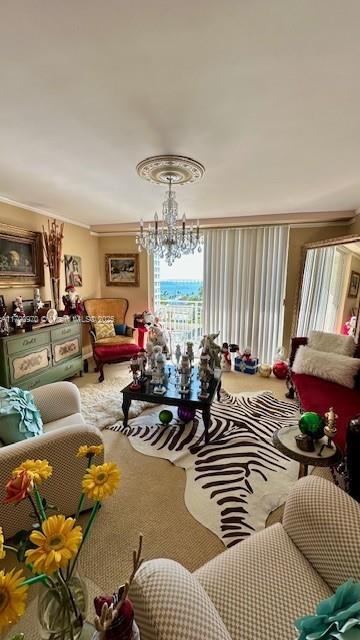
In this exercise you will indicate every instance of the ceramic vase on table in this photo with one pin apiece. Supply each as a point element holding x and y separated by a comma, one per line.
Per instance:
<point>62,609</point>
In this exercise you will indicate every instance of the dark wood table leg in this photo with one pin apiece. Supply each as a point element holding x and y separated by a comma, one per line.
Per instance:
<point>125,407</point>
<point>206,420</point>
<point>218,391</point>
<point>303,470</point>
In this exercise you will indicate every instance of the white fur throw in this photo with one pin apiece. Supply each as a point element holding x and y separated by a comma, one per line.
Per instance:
<point>329,366</point>
<point>332,343</point>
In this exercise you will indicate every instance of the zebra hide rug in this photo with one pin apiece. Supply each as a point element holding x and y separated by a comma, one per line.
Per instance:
<point>234,482</point>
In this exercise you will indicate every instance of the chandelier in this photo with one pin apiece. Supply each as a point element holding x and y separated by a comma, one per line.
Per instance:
<point>170,238</point>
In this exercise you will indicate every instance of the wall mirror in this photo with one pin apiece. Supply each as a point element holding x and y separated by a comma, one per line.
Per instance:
<point>328,296</point>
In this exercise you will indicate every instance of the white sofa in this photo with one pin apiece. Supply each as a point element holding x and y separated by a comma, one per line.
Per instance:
<point>64,432</point>
<point>257,589</point>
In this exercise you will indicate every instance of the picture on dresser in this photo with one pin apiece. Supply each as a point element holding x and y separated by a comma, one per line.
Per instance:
<point>122,269</point>
<point>21,257</point>
<point>73,271</point>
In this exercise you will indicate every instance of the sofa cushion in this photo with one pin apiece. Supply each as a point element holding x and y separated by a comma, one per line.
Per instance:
<point>262,585</point>
<point>332,343</point>
<point>69,421</point>
<point>170,604</point>
<point>19,416</point>
<point>104,330</point>
<point>329,366</point>
<point>319,395</point>
<point>111,353</point>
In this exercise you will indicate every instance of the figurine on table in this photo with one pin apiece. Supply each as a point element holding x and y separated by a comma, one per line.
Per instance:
<point>134,368</point>
<point>72,302</point>
<point>178,354</point>
<point>225,360</point>
<point>142,363</point>
<point>190,352</point>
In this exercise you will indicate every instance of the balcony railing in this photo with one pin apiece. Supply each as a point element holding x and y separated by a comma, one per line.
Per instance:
<point>183,321</point>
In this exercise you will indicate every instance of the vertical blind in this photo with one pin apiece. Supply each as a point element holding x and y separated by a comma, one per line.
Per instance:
<point>244,287</point>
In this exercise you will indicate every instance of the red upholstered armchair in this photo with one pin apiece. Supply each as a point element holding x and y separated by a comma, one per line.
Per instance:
<point>113,348</point>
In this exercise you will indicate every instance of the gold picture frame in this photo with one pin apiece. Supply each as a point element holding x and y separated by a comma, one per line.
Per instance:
<point>122,269</point>
<point>21,257</point>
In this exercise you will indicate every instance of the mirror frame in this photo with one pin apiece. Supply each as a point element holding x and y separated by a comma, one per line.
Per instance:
<point>304,249</point>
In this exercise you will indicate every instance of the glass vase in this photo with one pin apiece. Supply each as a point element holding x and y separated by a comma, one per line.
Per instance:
<point>62,609</point>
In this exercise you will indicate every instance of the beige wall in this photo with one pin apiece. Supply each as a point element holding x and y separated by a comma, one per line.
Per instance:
<point>299,237</point>
<point>138,296</point>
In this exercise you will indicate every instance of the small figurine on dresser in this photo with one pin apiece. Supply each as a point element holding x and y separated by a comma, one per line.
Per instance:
<point>4,320</point>
<point>19,315</point>
<point>72,302</point>
<point>38,304</point>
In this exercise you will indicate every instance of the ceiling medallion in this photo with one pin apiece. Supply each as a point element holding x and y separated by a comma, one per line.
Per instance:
<point>159,168</point>
<point>170,239</point>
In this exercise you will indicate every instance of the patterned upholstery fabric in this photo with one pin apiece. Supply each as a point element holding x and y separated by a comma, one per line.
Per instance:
<point>112,340</point>
<point>57,400</point>
<point>115,308</point>
<point>262,585</point>
<point>104,330</point>
<point>59,447</point>
<point>170,604</point>
<point>324,523</point>
<point>75,420</point>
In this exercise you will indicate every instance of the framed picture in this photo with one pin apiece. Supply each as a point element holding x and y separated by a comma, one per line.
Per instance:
<point>21,257</point>
<point>354,284</point>
<point>122,269</point>
<point>73,272</point>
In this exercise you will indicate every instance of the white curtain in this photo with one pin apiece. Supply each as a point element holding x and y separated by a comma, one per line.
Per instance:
<point>321,290</point>
<point>244,287</point>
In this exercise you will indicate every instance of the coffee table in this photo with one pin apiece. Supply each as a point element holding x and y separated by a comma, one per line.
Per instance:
<point>173,397</point>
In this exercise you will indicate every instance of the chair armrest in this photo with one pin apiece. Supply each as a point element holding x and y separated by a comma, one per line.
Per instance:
<point>324,523</point>
<point>171,604</point>
<point>57,400</point>
<point>295,344</point>
<point>59,447</point>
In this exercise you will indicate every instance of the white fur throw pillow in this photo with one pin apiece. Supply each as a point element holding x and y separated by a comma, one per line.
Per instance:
<point>332,343</point>
<point>329,366</point>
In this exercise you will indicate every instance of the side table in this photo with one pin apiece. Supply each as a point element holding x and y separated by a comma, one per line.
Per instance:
<point>284,440</point>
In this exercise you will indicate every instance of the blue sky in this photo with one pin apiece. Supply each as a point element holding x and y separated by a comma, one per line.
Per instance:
<point>185,268</point>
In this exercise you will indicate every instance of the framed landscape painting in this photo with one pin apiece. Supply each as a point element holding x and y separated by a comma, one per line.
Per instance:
<point>73,272</point>
<point>21,257</point>
<point>354,284</point>
<point>122,269</point>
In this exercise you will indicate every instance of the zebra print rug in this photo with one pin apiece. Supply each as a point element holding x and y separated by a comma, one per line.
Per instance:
<point>235,481</point>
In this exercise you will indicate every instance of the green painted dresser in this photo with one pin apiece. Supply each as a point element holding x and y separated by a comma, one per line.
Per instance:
<point>31,359</point>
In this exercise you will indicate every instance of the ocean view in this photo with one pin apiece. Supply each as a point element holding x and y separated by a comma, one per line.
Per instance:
<point>181,289</point>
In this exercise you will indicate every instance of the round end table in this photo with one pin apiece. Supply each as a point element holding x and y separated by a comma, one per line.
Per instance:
<point>284,440</point>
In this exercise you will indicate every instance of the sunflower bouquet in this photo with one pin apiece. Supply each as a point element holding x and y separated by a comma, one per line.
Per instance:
<point>51,549</point>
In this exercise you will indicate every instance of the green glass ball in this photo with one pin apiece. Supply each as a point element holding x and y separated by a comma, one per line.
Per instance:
<point>312,424</point>
<point>165,416</point>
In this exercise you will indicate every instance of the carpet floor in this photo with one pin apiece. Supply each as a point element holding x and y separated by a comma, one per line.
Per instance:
<point>150,500</point>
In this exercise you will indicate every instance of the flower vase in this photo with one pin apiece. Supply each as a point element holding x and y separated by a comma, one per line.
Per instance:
<point>55,286</point>
<point>62,609</point>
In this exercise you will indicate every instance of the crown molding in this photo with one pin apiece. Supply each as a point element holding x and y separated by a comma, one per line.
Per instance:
<point>42,212</point>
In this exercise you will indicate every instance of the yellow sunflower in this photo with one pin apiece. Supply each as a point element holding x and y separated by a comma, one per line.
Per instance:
<point>86,450</point>
<point>12,597</point>
<point>101,481</point>
<point>2,550</point>
<point>56,544</point>
<point>37,470</point>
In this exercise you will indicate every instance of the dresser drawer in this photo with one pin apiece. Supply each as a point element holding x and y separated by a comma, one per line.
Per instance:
<point>69,368</point>
<point>66,331</point>
<point>66,349</point>
<point>28,364</point>
<point>27,341</point>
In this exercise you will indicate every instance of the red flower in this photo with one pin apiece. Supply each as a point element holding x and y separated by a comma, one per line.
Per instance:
<point>17,488</point>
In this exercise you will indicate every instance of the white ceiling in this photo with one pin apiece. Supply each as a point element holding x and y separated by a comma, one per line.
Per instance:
<point>265,93</point>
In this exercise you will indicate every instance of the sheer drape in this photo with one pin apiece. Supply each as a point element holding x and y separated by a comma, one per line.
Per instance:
<point>244,285</point>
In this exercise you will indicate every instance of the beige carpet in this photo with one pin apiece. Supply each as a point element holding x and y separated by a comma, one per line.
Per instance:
<point>150,500</point>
